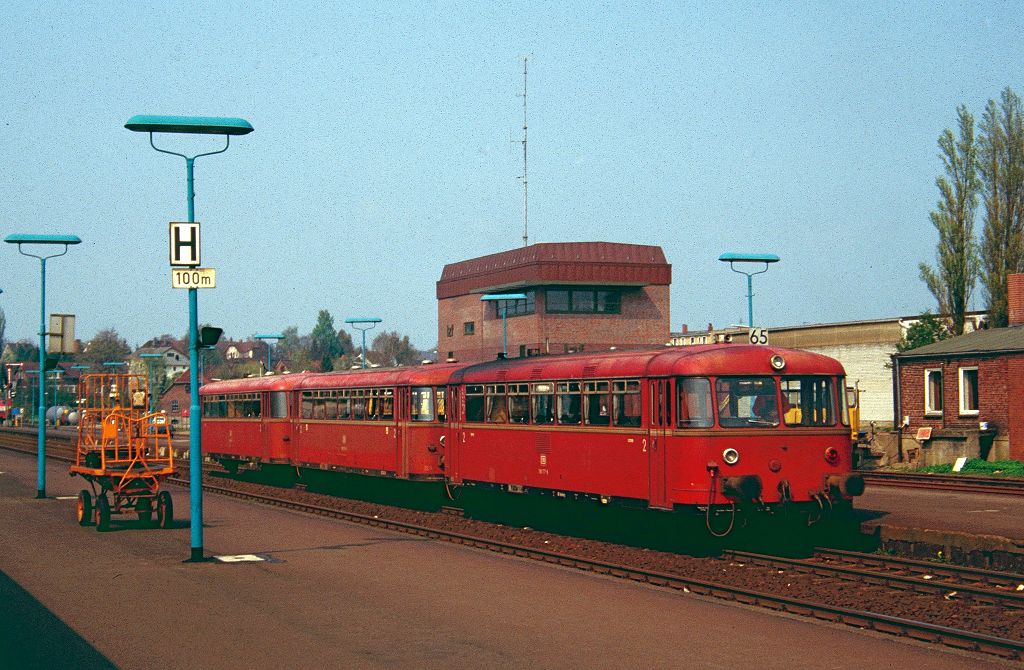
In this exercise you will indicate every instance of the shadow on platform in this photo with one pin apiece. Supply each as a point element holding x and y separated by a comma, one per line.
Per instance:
<point>33,637</point>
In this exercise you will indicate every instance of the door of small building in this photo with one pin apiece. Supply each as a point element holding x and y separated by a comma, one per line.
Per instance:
<point>660,418</point>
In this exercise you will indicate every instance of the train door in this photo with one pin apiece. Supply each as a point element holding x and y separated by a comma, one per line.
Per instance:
<point>660,417</point>
<point>403,406</point>
<point>276,427</point>
<point>453,435</point>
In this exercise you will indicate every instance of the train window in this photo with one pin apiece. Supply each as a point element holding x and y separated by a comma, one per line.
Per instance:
<point>849,394</point>
<point>439,403</point>
<point>422,404</point>
<point>746,402</point>
<point>694,408</point>
<point>307,405</point>
<point>543,403</point>
<point>595,401</point>
<point>331,408</point>
<point>569,403</point>
<point>808,401</point>
<point>278,404</point>
<point>344,407</point>
<point>497,412</point>
<point>626,403</point>
<point>475,403</point>
<point>387,404</point>
<point>519,403</point>
<point>319,407</point>
<point>358,404</point>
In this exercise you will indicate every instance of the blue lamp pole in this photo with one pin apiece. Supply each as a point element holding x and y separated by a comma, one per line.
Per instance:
<point>366,323</point>
<point>732,258</point>
<point>273,337</point>
<point>51,240</point>
<point>200,125</point>
<point>496,297</point>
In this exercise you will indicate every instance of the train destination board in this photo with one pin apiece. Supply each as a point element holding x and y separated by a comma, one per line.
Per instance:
<point>193,278</point>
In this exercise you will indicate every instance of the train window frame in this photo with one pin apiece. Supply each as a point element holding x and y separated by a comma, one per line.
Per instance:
<point>626,397</point>
<point>570,390</point>
<point>475,403</point>
<point>278,403</point>
<point>727,396</point>
<point>810,403</point>
<point>495,403</point>
<point>704,419</point>
<point>596,403</point>
<point>421,403</point>
<point>440,403</point>
<point>542,404</point>
<point>519,403</point>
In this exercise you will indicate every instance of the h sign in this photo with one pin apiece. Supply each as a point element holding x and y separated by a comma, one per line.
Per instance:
<point>184,238</point>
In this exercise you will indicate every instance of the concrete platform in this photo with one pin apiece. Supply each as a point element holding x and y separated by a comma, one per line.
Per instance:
<point>336,595</point>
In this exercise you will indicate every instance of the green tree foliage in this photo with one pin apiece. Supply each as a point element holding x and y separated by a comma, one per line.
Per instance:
<point>324,344</point>
<point>106,345</point>
<point>1001,164</point>
<point>927,330</point>
<point>294,349</point>
<point>957,256</point>
<point>24,350</point>
<point>391,349</point>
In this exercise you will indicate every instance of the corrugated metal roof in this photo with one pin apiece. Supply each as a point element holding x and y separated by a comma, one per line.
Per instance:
<point>996,340</point>
<point>555,262</point>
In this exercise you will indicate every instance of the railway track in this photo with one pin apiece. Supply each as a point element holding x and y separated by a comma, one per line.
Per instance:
<point>956,483</point>
<point>814,608</point>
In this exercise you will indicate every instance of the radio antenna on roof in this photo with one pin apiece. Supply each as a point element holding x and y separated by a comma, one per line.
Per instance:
<point>526,189</point>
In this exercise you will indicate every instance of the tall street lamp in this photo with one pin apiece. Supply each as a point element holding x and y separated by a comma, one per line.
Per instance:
<point>363,324</point>
<point>201,125</point>
<point>732,258</point>
<point>506,297</point>
<point>150,359</point>
<point>47,241</point>
<point>274,337</point>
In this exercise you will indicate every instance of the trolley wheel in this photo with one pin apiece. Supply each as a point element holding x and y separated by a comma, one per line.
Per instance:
<point>164,509</point>
<point>83,509</point>
<point>102,513</point>
<point>144,508</point>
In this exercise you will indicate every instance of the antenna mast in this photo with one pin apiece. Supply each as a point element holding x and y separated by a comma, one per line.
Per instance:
<point>526,188</point>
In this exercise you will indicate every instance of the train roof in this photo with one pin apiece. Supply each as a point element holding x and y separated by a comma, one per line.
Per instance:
<point>254,384</point>
<point>711,359</point>
<point>423,375</point>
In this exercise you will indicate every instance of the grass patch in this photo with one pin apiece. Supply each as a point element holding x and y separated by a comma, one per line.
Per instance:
<point>978,466</point>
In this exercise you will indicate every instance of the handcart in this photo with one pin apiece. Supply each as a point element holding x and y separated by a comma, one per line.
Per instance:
<point>123,451</point>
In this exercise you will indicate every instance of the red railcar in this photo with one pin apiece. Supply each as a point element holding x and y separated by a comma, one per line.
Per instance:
<point>708,429</point>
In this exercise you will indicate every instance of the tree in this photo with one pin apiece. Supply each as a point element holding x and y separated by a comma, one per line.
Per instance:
<point>927,330</point>
<point>295,349</point>
<point>391,349</point>
<point>1001,164</point>
<point>957,254</point>
<point>324,344</point>
<point>24,350</point>
<point>106,345</point>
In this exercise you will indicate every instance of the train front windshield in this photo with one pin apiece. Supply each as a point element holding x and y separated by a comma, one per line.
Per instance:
<point>757,402</point>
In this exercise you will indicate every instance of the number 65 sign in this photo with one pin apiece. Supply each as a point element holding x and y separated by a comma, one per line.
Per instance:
<point>758,336</point>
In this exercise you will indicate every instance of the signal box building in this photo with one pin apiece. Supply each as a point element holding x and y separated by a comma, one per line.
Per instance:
<point>580,296</point>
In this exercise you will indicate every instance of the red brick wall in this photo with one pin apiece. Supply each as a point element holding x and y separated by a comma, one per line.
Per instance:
<point>1015,413</point>
<point>994,395</point>
<point>643,321</point>
<point>1015,298</point>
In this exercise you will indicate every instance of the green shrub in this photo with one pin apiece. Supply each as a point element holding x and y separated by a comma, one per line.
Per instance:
<point>978,466</point>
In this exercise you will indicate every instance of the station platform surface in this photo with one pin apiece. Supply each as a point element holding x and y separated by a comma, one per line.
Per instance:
<point>337,595</point>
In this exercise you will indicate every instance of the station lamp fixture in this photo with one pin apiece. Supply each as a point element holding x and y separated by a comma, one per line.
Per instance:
<point>273,337</point>
<point>363,324</point>
<point>48,242</point>
<point>506,298</point>
<point>732,258</point>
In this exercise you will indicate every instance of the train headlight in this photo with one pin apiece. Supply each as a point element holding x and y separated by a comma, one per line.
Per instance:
<point>777,361</point>
<point>731,456</point>
<point>832,456</point>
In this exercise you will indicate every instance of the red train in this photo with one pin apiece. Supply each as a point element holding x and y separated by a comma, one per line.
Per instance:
<point>723,433</point>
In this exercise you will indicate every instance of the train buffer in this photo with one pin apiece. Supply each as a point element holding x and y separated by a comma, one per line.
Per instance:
<point>123,452</point>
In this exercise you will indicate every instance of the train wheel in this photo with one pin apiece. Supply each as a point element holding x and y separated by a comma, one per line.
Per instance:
<point>102,514</point>
<point>164,509</point>
<point>83,509</point>
<point>144,508</point>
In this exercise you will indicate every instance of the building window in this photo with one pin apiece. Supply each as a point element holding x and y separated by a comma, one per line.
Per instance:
<point>969,391</point>
<point>516,307</point>
<point>583,301</point>
<point>451,331</point>
<point>174,405</point>
<point>933,392</point>
<point>468,328</point>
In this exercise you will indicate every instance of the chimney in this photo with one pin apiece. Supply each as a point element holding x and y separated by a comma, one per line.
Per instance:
<point>1015,299</point>
<point>685,329</point>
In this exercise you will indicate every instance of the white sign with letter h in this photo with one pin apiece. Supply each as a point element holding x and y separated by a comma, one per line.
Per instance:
<point>184,240</point>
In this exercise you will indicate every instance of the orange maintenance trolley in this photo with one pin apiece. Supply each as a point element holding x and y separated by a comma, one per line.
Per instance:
<point>123,451</point>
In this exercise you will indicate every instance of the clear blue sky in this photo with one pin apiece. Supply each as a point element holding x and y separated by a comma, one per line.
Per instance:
<point>382,150</point>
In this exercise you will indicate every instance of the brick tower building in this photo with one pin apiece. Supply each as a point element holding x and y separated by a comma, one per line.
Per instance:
<point>580,296</point>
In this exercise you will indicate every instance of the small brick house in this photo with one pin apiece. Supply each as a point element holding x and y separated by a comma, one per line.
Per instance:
<point>965,396</point>
<point>581,296</point>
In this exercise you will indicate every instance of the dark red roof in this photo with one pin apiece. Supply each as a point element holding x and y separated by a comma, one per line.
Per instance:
<point>598,263</point>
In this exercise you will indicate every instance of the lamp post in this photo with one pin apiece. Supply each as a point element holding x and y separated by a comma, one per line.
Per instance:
<point>496,297</point>
<point>150,359</point>
<point>276,337</point>
<point>732,258</point>
<point>367,323</point>
<point>46,240</point>
<point>200,125</point>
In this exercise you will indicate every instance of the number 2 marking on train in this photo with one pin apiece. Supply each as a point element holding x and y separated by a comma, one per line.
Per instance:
<point>644,450</point>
